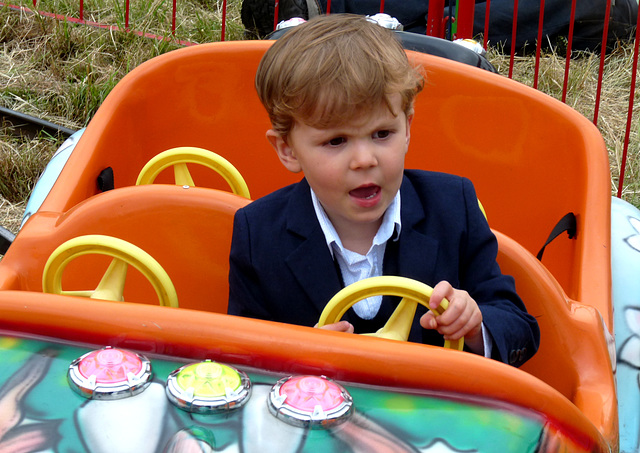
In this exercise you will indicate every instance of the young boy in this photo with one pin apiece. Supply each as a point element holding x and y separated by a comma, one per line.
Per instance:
<point>340,91</point>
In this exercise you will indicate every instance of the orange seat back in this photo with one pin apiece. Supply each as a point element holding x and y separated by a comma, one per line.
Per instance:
<point>187,230</point>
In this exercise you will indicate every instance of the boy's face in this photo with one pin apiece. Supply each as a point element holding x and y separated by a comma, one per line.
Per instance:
<point>355,169</point>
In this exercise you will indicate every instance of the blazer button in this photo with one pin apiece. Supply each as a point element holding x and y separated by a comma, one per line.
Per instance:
<point>513,356</point>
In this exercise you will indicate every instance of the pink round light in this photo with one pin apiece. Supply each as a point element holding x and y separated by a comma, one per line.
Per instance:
<point>110,365</point>
<point>306,392</point>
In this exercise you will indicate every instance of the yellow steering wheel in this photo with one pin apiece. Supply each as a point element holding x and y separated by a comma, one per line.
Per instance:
<point>180,157</point>
<point>399,324</point>
<point>111,287</point>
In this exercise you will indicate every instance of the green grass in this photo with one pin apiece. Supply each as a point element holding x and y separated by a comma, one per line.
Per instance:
<point>196,20</point>
<point>61,72</point>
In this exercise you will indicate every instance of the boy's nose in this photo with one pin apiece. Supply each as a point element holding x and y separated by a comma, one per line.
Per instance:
<point>363,156</point>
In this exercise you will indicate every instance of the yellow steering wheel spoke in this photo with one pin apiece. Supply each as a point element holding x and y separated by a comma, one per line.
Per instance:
<point>179,157</point>
<point>182,175</point>
<point>111,286</point>
<point>399,324</point>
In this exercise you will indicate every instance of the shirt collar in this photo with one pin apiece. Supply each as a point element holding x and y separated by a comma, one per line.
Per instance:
<point>389,229</point>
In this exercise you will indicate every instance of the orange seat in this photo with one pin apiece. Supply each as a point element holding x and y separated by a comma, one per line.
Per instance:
<point>187,230</point>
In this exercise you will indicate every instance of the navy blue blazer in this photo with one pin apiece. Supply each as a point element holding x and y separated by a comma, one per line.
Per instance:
<point>282,270</point>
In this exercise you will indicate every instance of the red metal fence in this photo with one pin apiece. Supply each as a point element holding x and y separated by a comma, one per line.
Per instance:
<point>465,30</point>
<point>438,23</point>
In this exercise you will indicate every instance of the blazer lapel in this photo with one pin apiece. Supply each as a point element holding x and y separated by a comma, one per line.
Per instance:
<point>417,252</point>
<point>310,262</point>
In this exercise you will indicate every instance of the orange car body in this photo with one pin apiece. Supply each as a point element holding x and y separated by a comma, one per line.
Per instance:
<point>531,158</point>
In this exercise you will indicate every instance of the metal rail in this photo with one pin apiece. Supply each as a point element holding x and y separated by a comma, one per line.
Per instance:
<point>31,126</point>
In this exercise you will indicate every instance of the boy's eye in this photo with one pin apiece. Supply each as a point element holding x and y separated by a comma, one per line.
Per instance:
<point>382,134</point>
<point>337,141</point>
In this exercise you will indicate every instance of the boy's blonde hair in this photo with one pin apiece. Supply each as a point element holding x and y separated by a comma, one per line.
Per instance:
<point>331,69</point>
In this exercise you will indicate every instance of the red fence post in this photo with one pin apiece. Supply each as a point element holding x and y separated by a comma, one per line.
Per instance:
<point>572,19</point>
<point>632,91</point>
<point>486,24</point>
<point>223,29</point>
<point>538,45</point>
<point>434,18</point>
<point>514,30</point>
<point>126,16</point>
<point>173,17</point>
<point>464,19</point>
<point>276,13</point>
<point>603,53</point>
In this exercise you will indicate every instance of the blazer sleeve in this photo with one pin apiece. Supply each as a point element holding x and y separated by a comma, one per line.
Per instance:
<point>244,285</point>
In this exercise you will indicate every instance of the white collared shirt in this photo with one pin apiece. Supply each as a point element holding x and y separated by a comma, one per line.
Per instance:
<point>355,267</point>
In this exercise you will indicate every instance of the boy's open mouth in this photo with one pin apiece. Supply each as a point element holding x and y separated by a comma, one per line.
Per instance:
<point>365,192</point>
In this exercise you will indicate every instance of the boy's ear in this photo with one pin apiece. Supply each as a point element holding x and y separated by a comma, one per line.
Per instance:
<point>284,151</point>
<point>409,121</point>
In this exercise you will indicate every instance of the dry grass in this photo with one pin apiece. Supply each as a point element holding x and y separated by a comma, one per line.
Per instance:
<point>582,88</point>
<point>22,161</point>
<point>62,72</point>
<point>11,214</point>
<point>58,72</point>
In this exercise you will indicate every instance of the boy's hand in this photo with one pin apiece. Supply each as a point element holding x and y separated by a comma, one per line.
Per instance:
<point>340,326</point>
<point>461,319</point>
